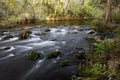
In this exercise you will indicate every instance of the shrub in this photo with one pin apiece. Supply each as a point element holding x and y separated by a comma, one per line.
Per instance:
<point>53,54</point>
<point>33,55</point>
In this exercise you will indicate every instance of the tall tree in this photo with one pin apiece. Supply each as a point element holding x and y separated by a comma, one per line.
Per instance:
<point>108,17</point>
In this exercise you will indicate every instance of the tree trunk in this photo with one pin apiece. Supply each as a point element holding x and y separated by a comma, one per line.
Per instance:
<point>108,17</point>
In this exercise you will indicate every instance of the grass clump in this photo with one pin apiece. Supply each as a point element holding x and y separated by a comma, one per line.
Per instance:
<point>33,55</point>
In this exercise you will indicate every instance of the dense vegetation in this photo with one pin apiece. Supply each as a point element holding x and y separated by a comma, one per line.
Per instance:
<point>25,11</point>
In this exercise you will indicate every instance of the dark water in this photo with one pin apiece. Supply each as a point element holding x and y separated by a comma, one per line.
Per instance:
<point>65,38</point>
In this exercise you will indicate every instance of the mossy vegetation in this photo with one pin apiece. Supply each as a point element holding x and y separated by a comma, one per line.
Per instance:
<point>93,70</point>
<point>53,54</point>
<point>33,55</point>
<point>103,61</point>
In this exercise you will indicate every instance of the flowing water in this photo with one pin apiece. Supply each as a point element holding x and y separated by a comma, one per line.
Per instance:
<point>66,39</point>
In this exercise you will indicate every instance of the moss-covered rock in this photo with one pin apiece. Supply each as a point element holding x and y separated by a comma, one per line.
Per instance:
<point>67,63</point>
<point>33,55</point>
<point>53,54</point>
<point>24,34</point>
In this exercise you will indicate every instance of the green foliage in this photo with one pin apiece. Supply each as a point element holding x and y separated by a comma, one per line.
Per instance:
<point>94,70</point>
<point>53,54</point>
<point>80,54</point>
<point>33,55</point>
<point>110,43</point>
<point>74,9</point>
<point>116,17</point>
<point>117,32</point>
<point>101,47</point>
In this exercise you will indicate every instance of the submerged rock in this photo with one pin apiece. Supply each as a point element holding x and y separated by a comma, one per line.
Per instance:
<point>53,54</point>
<point>5,48</point>
<point>91,32</point>
<point>47,29</point>
<point>33,55</point>
<point>8,36</point>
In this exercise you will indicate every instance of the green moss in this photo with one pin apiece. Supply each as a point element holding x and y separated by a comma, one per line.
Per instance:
<point>53,54</point>
<point>33,55</point>
<point>67,63</point>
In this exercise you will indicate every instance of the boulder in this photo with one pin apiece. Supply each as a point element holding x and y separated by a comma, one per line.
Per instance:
<point>24,34</point>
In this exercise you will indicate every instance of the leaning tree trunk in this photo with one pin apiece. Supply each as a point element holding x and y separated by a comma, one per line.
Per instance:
<point>108,17</point>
